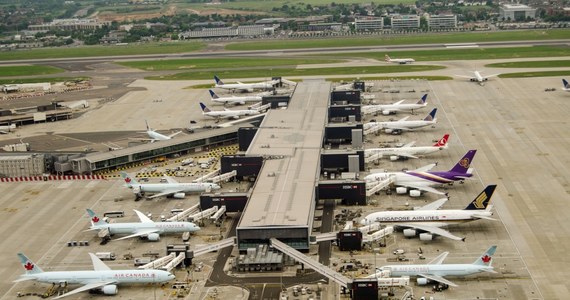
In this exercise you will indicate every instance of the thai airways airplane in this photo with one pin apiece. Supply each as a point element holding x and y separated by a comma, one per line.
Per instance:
<point>101,278</point>
<point>249,87</point>
<point>393,108</point>
<point>226,113</point>
<point>423,179</point>
<point>172,187</point>
<point>4,129</point>
<point>429,219</point>
<point>155,136</point>
<point>401,61</point>
<point>478,77</point>
<point>408,150</point>
<point>145,228</point>
<point>565,85</point>
<point>234,99</point>
<point>435,270</point>
<point>396,127</point>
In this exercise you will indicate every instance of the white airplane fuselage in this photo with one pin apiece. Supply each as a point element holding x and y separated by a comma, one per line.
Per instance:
<point>401,178</point>
<point>453,216</point>
<point>183,187</point>
<point>408,125</point>
<point>414,151</point>
<point>231,113</point>
<point>246,86</point>
<point>391,108</point>
<point>163,227</point>
<point>239,100</point>
<point>116,276</point>
<point>157,136</point>
<point>442,270</point>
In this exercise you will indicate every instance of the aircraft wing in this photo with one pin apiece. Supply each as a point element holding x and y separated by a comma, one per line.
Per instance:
<point>420,187</point>
<point>410,144</point>
<point>425,168</point>
<point>86,287</point>
<point>3,132</point>
<point>399,102</point>
<point>174,134</point>
<point>483,217</point>
<point>434,205</point>
<point>170,179</point>
<point>492,75</point>
<point>439,259</point>
<point>166,193</point>
<point>433,230</point>
<point>139,233</point>
<point>438,279</point>
<point>404,119</point>
<point>408,155</point>
<point>463,76</point>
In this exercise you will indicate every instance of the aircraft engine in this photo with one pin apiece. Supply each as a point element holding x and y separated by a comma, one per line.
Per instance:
<point>179,195</point>
<point>394,157</point>
<point>426,237</point>
<point>473,79</point>
<point>153,237</point>
<point>388,130</point>
<point>110,289</point>
<point>415,193</point>
<point>241,103</point>
<point>386,112</point>
<point>235,117</point>
<point>422,281</point>
<point>401,190</point>
<point>136,189</point>
<point>409,232</point>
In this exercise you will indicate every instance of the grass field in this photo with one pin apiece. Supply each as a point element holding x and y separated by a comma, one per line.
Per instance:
<point>234,62</point>
<point>427,38</point>
<point>36,80</point>
<point>291,72</point>
<point>31,70</point>
<point>535,74</point>
<point>533,64</point>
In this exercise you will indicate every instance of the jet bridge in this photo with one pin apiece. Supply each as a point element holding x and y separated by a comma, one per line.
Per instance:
<point>203,214</point>
<point>322,269</point>
<point>218,213</point>
<point>372,129</point>
<point>174,262</point>
<point>373,157</point>
<point>184,214</point>
<point>379,185</point>
<point>207,176</point>
<point>211,247</point>
<point>224,176</point>
<point>158,263</point>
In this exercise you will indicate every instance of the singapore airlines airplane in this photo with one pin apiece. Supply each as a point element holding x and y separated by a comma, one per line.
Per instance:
<point>101,278</point>
<point>393,108</point>
<point>429,219</point>
<point>478,77</point>
<point>172,187</point>
<point>396,127</point>
<point>4,129</point>
<point>249,87</point>
<point>408,150</point>
<point>435,270</point>
<point>155,136</point>
<point>226,113</point>
<point>234,99</point>
<point>145,228</point>
<point>401,61</point>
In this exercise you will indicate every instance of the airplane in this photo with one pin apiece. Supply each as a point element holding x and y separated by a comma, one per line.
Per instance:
<point>430,220</point>
<point>172,187</point>
<point>393,108</point>
<point>233,99</point>
<point>435,270</point>
<point>565,85</point>
<point>145,228</point>
<point>396,127</point>
<point>101,278</point>
<point>4,129</point>
<point>249,87</point>
<point>226,113</point>
<point>408,151</point>
<point>155,136</point>
<point>401,61</point>
<point>478,77</point>
<point>423,179</point>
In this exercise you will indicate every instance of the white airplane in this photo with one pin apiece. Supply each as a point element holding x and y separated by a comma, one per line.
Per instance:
<point>423,179</point>
<point>401,61</point>
<point>249,87</point>
<point>145,228</point>
<point>4,129</point>
<point>565,85</point>
<point>408,150</point>
<point>430,220</point>
<point>396,127</point>
<point>234,99</point>
<point>227,113</point>
<point>155,136</point>
<point>101,278</point>
<point>435,270</point>
<point>393,108</point>
<point>478,77</point>
<point>172,187</point>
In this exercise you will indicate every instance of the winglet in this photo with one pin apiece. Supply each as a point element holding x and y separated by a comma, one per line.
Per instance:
<point>213,94</point>
<point>431,116</point>
<point>486,259</point>
<point>205,109</point>
<point>483,199</point>
<point>29,265</point>
<point>463,164</point>
<point>218,81</point>
<point>442,142</point>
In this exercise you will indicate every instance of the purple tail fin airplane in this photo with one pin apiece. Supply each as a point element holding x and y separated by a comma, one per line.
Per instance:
<point>422,179</point>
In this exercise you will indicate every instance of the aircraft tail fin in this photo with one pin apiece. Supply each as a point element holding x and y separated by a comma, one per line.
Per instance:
<point>422,100</point>
<point>213,94</point>
<point>130,181</point>
<point>387,57</point>
<point>29,265</point>
<point>565,84</point>
<point>431,115</point>
<point>218,81</point>
<point>442,142</point>
<point>147,126</point>
<point>486,259</point>
<point>462,166</point>
<point>95,220</point>
<point>205,109</point>
<point>483,199</point>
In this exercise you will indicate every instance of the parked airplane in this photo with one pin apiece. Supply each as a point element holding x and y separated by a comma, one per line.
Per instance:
<point>435,270</point>
<point>565,85</point>
<point>235,99</point>
<point>249,87</point>
<point>4,129</point>
<point>226,113</point>
<point>155,136</point>
<point>408,150</point>
<point>401,61</point>
<point>478,77</point>
<point>145,228</point>
<point>393,108</point>
<point>423,179</point>
<point>396,127</point>
<point>429,219</point>
<point>101,278</point>
<point>172,187</point>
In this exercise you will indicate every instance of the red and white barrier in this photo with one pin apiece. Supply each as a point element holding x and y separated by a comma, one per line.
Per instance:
<point>53,177</point>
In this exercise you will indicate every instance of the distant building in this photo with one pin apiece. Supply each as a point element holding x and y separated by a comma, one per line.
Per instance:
<point>321,27</point>
<point>442,21</point>
<point>369,24</point>
<point>69,24</point>
<point>249,30</point>
<point>516,12</point>
<point>403,22</point>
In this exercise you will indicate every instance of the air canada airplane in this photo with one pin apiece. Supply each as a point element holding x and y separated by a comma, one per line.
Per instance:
<point>172,187</point>
<point>401,61</point>
<point>393,108</point>
<point>227,113</point>
<point>145,228</point>
<point>423,179</point>
<point>155,136</point>
<point>396,127</point>
<point>4,129</point>
<point>408,150</point>
<point>430,219</point>
<point>101,278</point>
<point>478,77</point>
<point>249,87</point>
<point>435,270</point>
<point>235,99</point>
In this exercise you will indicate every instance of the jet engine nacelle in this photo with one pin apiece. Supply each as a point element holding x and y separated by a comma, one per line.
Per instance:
<point>179,195</point>
<point>153,237</point>
<point>409,232</point>
<point>422,281</point>
<point>473,79</point>
<point>394,157</point>
<point>415,193</point>
<point>110,289</point>
<point>426,237</point>
<point>136,189</point>
<point>401,190</point>
<point>386,112</point>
